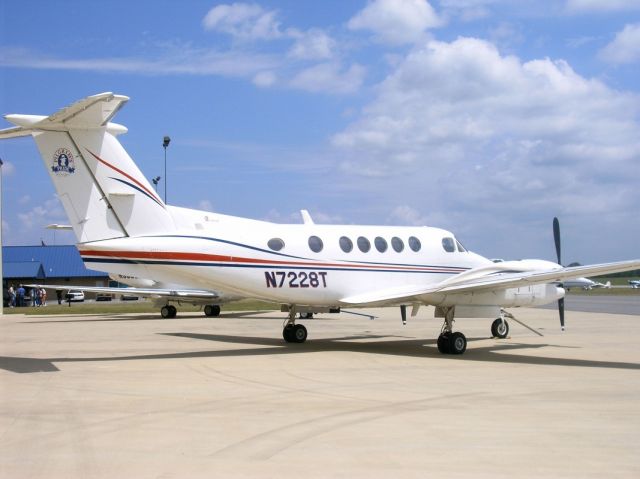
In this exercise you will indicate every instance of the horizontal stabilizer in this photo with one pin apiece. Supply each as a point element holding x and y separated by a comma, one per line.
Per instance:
<point>169,294</point>
<point>92,112</point>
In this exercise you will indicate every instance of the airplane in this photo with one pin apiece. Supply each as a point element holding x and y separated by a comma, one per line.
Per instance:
<point>584,283</point>
<point>635,283</point>
<point>120,222</point>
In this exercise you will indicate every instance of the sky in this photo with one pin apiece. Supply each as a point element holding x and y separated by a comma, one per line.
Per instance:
<point>484,117</point>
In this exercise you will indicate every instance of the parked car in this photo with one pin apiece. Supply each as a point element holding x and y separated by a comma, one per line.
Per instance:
<point>128,297</point>
<point>104,297</point>
<point>75,295</point>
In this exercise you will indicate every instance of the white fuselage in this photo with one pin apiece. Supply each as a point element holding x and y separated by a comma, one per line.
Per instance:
<point>234,255</point>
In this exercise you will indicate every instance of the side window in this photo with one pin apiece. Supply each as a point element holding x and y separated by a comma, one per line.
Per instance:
<point>276,244</point>
<point>449,245</point>
<point>414,244</point>
<point>461,248</point>
<point>346,244</point>
<point>363,244</point>
<point>381,244</point>
<point>315,244</point>
<point>397,244</point>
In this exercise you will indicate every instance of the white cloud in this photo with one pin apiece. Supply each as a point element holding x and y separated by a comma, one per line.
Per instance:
<point>41,215</point>
<point>205,205</point>
<point>462,129</point>
<point>243,21</point>
<point>329,78</point>
<point>396,21</point>
<point>407,216</point>
<point>313,44</point>
<point>174,61</point>
<point>265,79</point>
<point>583,6</point>
<point>24,199</point>
<point>625,47</point>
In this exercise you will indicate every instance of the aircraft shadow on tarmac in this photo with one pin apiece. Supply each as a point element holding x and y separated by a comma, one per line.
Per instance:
<point>155,317</point>
<point>494,353</point>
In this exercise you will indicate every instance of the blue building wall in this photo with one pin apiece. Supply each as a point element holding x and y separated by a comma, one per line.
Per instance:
<point>60,261</point>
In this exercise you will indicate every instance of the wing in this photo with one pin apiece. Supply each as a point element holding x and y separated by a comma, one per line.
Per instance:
<point>187,295</point>
<point>508,274</point>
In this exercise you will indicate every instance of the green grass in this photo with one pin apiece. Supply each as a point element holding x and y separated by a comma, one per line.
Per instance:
<point>120,307</point>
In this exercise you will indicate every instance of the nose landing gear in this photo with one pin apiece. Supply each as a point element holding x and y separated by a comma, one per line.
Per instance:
<point>292,332</point>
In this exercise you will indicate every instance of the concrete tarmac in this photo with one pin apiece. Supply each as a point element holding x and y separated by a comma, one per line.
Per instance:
<point>137,396</point>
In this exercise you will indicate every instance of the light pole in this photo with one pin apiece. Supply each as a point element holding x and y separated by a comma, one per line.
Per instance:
<point>155,181</point>
<point>165,143</point>
<point>1,276</point>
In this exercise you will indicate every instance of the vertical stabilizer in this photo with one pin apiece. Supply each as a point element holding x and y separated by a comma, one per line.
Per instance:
<point>104,193</point>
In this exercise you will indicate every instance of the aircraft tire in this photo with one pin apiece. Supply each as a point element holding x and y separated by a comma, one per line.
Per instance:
<point>457,343</point>
<point>498,330</point>
<point>165,312</point>
<point>299,333</point>
<point>173,311</point>
<point>287,333</point>
<point>443,343</point>
<point>212,310</point>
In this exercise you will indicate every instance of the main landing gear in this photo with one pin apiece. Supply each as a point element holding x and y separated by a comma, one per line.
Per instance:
<point>292,332</point>
<point>448,341</point>
<point>212,310</point>
<point>168,311</point>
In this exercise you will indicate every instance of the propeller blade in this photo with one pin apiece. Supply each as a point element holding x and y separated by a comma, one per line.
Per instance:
<point>556,238</point>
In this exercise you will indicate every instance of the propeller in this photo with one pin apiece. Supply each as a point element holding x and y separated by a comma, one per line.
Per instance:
<point>556,239</point>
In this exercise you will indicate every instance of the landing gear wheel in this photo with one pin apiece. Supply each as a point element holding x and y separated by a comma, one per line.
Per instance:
<point>294,333</point>
<point>499,329</point>
<point>168,311</point>
<point>212,310</point>
<point>299,333</point>
<point>443,343</point>
<point>457,343</point>
<point>306,315</point>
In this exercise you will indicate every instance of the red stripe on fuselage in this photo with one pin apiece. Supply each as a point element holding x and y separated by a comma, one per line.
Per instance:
<point>178,256</point>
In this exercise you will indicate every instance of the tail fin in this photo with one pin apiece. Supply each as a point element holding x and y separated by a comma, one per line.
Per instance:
<point>102,190</point>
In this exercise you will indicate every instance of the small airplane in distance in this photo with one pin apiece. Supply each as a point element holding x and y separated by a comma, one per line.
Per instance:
<point>584,283</point>
<point>123,227</point>
<point>635,283</point>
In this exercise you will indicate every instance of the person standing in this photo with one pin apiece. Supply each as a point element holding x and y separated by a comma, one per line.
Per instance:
<point>12,297</point>
<point>21,293</point>
<point>43,297</point>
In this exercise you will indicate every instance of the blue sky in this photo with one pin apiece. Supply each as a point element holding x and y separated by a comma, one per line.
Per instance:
<point>485,117</point>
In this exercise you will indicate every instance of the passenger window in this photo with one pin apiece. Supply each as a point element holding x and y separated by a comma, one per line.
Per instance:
<point>449,245</point>
<point>397,244</point>
<point>381,244</point>
<point>346,244</point>
<point>363,244</point>
<point>315,244</point>
<point>414,244</point>
<point>276,244</point>
<point>461,248</point>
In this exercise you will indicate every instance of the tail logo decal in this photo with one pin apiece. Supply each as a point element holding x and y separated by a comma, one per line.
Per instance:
<point>63,163</point>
